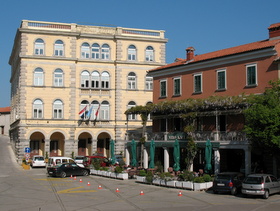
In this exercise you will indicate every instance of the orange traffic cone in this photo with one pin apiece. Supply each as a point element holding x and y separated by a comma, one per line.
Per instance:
<point>81,180</point>
<point>99,187</point>
<point>180,193</point>
<point>71,176</point>
<point>75,177</point>
<point>141,193</point>
<point>88,184</point>
<point>117,190</point>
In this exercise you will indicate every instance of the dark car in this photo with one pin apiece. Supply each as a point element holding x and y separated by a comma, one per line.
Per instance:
<point>67,169</point>
<point>260,184</point>
<point>228,182</point>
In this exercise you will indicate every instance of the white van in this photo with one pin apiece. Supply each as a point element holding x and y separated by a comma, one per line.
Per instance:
<point>57,160</point>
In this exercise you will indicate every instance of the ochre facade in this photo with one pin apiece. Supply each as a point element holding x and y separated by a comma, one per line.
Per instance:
<point>57,69</point>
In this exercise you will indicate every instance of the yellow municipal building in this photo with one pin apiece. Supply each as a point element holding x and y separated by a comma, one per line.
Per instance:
<point>71,84</point>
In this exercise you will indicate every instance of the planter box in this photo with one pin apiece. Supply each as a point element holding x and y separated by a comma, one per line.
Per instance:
<point>122,176</point>
<point>171,183</point>
<point>188,185</point>
<point>141,179</point>
<point>202,186</point>
<point>93,171</point>
<point>179,184</point>
<point>156,181</point>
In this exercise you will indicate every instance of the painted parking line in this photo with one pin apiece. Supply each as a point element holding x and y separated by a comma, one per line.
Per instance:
<point>75,190</point>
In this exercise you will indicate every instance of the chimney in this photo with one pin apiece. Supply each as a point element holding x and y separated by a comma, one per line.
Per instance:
<point>190,53</point>
<point>274,31</point>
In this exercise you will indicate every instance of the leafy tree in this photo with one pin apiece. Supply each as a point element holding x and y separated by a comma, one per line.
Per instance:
<point>263,118</point>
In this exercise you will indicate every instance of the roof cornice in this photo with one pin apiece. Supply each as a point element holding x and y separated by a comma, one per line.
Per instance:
<point>211,63</point>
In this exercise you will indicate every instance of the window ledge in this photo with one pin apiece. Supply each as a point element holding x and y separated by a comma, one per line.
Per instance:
<point>221,90</point>
<point>251,86</point>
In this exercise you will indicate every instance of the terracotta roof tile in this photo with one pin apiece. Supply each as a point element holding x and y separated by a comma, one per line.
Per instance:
<point>221,53</point>
<point>5,110</point>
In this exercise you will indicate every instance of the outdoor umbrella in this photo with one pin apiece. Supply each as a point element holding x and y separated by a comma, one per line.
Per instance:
<point>112,150</point>
<point>208,156</point>
<point>176,155</point>
<point>133,152</point>
<point>152,155</point>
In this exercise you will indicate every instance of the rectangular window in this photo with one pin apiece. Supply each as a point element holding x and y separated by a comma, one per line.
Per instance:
<point>221,79</point>
<point>198,83</point>
<point>251,75</point>
<point>163,88</point>
<point>177,86</point>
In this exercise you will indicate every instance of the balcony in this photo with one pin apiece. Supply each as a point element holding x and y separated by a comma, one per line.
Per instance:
<point>230,137</point>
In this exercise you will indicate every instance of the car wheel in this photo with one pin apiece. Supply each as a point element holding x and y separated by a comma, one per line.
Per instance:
<point>266,194</point>
<point>85,173</point>
<point>63,174</point>
<point>233,191</point>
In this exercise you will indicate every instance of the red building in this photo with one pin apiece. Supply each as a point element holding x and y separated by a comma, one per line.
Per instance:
<point>245,69</point>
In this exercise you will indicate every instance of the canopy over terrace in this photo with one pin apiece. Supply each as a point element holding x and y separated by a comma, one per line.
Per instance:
<point>167,148</point>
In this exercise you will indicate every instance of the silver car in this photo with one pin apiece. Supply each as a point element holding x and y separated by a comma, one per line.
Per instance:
<point>260,184</point>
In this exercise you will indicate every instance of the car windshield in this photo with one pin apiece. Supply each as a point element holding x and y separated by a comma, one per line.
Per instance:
<point>58,165</point>
<point>253,180</point>
<point>222,177</point>
<point>39,158</point>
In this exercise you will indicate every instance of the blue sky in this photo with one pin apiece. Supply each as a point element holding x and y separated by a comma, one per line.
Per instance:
<point>206,25</point>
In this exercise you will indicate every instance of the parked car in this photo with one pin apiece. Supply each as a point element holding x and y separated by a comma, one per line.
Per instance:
<point>260,184</point>
<point>57,160</point>
<point>228,182</point>
<point>80,159</point>
<point>67,169</point>
<point>38,161</point>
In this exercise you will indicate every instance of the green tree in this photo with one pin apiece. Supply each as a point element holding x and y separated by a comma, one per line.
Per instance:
<point>263,118</point>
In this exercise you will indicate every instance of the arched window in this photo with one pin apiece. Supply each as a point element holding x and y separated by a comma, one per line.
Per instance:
<point>131,80</point>
<point>131,53</point>
<point>95,78</point>
<point>38,77</point>
<point>85,51</point>
<point>84,107</point>
<point>149,54</point>
<point>58,77</point>
<point>57,109</point>
<point>105,52</point>
<point>38,109</point>
<point>149,83</point>
<point>39,47</point>
<point>104,110</point>
<point>105,80</point>
<point>95,51</point>
<point>130,105</point>
<point>85,79</point>
<point>59,48</point>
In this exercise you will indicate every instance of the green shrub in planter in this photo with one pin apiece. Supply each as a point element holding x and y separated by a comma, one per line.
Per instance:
<point>188,176</point>
<point>165,175</point>
<point>149,177</point>
<point>207,178</point>
<point>142,173</point>
<point>198,180</point>
<point>118,169</point>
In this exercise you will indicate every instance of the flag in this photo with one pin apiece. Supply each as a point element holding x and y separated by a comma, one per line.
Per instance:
<point>96,113</point>
<point>82,112</point>
<point>89,113</point>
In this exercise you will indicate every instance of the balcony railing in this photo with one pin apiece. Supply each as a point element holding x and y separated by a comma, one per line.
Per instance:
<point>231,136</point>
